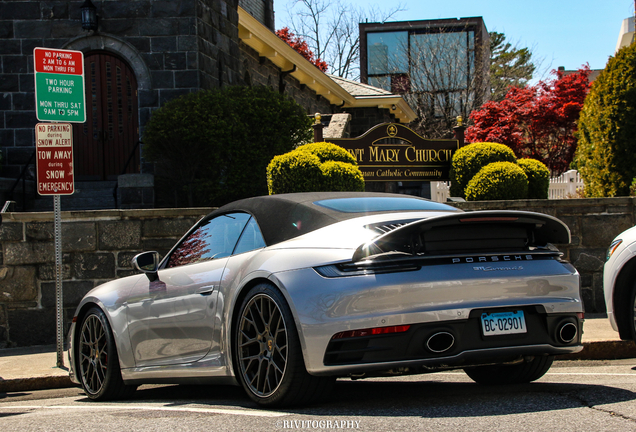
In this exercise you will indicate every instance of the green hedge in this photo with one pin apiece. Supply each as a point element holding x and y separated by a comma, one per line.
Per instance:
<point>538,177</point>
<point>498,181</point>
<point>469,160</point>
<point>314,167</point>
<point>213,146</point>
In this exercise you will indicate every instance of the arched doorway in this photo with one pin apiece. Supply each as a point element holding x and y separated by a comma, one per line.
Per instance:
<point>107,141</point>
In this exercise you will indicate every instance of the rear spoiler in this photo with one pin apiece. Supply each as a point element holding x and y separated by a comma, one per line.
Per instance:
<point>479,231</point>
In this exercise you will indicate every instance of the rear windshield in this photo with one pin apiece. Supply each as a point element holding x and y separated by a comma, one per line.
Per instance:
<point>379,204</point>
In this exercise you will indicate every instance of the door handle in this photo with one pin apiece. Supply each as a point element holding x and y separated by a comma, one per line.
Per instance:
<point>206,290</point>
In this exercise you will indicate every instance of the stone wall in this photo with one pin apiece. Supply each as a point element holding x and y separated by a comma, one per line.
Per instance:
<point>363,119</point>
<point>261,71</point>
<point>593,225</point>
<point>97,246</point>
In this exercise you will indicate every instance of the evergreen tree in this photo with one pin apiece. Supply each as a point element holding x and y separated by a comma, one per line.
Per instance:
<point>510,66</point>
<point>606,154</point>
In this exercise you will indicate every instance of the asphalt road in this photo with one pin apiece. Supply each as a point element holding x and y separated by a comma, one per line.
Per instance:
<point>573,396</point>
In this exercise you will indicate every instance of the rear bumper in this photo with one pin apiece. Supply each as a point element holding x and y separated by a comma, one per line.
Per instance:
<point>462,344</point>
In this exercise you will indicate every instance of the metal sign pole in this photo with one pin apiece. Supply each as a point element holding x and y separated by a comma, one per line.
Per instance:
<point>58,279</point>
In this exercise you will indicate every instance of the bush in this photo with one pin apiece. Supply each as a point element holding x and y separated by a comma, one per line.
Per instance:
<point>498,181</point>
<point>469,160</point>
<point>213,147</point>
<point>294,171</point>
<point>538,177</point>
<point>314,167</point>
<point>342,177</point>
<point>606,152</point>
<point>328,152</point>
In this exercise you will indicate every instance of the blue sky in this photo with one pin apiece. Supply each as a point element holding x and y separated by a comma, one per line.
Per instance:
<point>565,33</point>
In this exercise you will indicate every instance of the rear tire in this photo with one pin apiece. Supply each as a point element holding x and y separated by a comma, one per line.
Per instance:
<point>511,374</point>
<point>267,353</point>
<point>98,363</point>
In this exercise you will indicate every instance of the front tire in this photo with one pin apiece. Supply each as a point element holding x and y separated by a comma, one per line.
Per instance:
<point>100,374</point>
<point>267,353</point>
<point>511,374</point>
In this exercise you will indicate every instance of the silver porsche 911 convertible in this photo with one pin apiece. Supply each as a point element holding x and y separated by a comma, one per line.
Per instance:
<point>283,294</point>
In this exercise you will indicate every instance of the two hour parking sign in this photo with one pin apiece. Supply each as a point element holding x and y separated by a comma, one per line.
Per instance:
<point>59,85</point>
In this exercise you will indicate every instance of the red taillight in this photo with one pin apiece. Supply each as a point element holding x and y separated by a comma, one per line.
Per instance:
<point>580,315</point>
<point>371,331</point>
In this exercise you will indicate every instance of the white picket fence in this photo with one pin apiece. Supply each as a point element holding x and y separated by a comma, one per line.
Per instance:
<point>564,186</point>
<point>440,191</point>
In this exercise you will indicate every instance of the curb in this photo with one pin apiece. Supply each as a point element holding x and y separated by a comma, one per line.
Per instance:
<point>603,350</point>
<point>30,384</point>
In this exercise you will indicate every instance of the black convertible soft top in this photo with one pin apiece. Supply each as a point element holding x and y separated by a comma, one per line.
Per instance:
<point>285,216</point>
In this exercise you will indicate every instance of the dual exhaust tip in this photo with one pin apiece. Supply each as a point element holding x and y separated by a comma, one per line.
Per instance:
<point>442,341</point>
<point>566,332</point>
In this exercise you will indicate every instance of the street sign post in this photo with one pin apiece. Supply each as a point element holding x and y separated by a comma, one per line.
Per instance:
<point>54,168</point>
<point>59,85</point>
<point>59,97</point>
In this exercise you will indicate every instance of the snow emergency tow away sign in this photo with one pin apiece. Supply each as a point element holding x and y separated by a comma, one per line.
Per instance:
<point>54,147</point>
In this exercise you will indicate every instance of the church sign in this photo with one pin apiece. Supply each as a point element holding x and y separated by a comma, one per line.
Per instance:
<point>393,152</point>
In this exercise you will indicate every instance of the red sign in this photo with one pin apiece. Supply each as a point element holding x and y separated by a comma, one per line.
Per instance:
<point>58,61</point>
<point>54,147</point>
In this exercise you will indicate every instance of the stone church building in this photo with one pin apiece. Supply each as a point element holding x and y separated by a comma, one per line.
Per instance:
<point>141,54</point>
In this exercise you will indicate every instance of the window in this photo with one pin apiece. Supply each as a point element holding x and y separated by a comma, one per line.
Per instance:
<point>251,238</point>
<point>373,204</point>
<point>212,239</point>
<point>387,52</point>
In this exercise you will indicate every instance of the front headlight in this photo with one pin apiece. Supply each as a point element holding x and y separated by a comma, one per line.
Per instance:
<point>610,250</point>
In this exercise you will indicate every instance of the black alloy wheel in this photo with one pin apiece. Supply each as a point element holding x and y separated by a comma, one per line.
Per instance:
<point>267,352</point>
<point>98,363</point>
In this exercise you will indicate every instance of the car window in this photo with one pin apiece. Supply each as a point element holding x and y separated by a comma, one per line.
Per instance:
<point>213,239</point>
<point>250,239</point>
<point>376,204</point>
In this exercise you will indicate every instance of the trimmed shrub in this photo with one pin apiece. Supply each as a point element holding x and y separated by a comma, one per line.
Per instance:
<point>328,152</point>
<point>213,146</point>
<point>314,167</point>
<point>498,181</point>
<point>538,177</point>
<point>293,172</point>
<point>606,152</point>
<point>469,160</point>
<point>341,177</point>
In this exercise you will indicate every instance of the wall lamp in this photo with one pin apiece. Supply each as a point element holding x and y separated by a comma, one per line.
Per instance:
<point>89,16</point>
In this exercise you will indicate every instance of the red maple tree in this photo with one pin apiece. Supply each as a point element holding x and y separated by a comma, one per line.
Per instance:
<point>537,121</point>
<point>298,44</point>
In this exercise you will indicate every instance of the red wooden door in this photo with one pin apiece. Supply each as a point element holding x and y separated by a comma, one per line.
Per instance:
<point>105,142</point>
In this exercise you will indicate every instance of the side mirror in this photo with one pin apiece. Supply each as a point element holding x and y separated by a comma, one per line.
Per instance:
<point>148,263</point>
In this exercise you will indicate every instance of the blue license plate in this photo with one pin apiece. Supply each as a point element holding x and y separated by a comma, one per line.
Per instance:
<point>503,323</point>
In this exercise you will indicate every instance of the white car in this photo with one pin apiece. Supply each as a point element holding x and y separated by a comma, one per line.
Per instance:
<point>619,284</point>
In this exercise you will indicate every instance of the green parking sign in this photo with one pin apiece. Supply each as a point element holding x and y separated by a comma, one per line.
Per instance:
<point>59,85</point>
